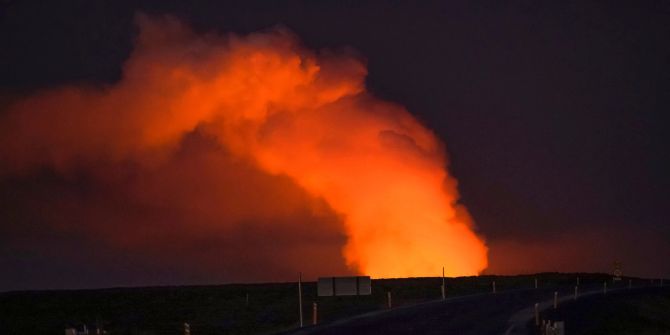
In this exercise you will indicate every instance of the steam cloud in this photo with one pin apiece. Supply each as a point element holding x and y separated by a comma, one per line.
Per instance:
<point>253,138</point>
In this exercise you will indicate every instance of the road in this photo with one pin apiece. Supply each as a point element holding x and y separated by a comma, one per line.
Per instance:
<point>505,312</point>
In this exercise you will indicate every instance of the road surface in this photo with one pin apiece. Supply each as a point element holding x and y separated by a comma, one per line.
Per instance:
<point>506,312</point>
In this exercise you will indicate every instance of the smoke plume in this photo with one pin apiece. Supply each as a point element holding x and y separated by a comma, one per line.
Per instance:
<point>253,138</point>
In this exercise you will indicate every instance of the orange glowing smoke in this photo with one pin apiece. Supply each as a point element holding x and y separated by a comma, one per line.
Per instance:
<point>287,110</point>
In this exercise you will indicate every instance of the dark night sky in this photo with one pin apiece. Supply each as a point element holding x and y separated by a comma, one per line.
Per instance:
<point>553,114</point>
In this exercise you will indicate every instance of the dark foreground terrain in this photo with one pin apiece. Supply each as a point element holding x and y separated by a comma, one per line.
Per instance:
<point>643,312</point>
<point>274,307</point>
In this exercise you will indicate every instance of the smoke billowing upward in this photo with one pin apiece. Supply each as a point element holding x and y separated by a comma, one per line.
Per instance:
<point>250,138</point>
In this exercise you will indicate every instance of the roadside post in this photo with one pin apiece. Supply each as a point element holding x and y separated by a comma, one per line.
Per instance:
<point>537,314</point>
<point>314,313</point>
<point>444,289</point>
<point>300,297</point>
<point>388,299</point>
<point>555,299</point>
<point>576,291</point>
<point>494,287</point>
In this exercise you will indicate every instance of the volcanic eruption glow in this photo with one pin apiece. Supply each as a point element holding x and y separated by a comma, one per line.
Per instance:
<point>285,109</point>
